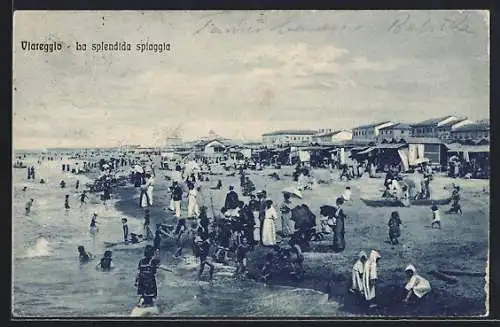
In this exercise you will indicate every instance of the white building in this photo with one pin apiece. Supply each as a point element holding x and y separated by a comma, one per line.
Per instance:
<point>332,136</point>
<point>438,127</point>
<point>472,131</point>
<point>288,137</point>
<point>370,132</point>
<point>214,148</point>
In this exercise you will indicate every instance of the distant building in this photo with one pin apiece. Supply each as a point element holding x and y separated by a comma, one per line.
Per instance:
<point>128,147</point>
<point>288,137</point>
<point>211,148</point>
<point>325,130</point>
<point>332,136</point>
<point>369,132</point>
<point>430,148</point>
<point>437,127</point>
<point>444,131</point>
<point>394,132</point>
<point>472,131</point>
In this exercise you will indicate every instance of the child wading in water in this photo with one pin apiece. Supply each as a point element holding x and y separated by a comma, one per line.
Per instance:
<point>83,196</point>
<point>106,263</point>
<point>436,219</point>
<point>66,202</point>
<point>29,204</point>
<point>394,230</point>
<point>83,255</point>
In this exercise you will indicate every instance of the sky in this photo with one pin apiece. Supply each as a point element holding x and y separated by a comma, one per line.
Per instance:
<point>242,73</point>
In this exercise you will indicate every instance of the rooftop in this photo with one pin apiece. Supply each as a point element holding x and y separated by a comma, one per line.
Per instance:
<point>332,133</point>
<point>373,125</point>
<point>473,127</point>
<point>431,122</point>
<point>291,132</point>
<point>453,122</point>
<point>398,126</point>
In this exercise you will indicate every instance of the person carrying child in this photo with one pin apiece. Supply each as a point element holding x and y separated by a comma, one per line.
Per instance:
<point>455,197</point>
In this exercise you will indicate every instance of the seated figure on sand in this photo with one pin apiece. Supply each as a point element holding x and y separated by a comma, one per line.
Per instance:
<point>417,286</point>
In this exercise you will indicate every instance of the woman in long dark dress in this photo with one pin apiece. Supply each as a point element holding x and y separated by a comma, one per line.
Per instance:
<point>146,280</point>
<point>338,235</point>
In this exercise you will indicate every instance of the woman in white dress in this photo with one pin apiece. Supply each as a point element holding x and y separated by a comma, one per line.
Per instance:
<point>370,278</point>
<point>147,192</point>
<point>149,188</point>
<point>193,208</point>
<point>357,273</point>
<point>417,286</point>
<point>268,228</point>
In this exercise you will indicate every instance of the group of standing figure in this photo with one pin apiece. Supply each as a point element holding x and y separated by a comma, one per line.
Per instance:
<point>365,276</point>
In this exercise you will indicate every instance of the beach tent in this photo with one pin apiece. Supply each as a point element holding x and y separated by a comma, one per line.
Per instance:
<point>191,167</point>
<point>247,153</point>
<point>304,156</point>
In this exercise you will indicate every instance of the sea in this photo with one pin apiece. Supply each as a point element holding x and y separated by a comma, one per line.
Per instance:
<point>48,281</point>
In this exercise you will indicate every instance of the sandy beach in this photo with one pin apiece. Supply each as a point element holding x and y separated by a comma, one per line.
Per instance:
<point>461,244</point>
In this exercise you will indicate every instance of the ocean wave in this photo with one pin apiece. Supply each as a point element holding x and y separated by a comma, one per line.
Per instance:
<point>42,248</point>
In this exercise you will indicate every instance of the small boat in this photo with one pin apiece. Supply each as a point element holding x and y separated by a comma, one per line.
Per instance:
<point>125,246</point>
<point>20,166</point>
<point>397,203</point>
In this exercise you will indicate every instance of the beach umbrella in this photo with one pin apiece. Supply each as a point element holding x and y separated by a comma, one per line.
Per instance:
<point>293,192</point>
<point>303,217</point>
<point>138,169</point>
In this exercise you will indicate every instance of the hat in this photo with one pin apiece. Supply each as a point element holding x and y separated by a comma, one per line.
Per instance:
<point>411,268</point>
<point>362,254</point>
